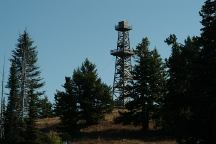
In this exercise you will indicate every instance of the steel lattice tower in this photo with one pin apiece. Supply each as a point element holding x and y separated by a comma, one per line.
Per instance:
<point>123,79</point>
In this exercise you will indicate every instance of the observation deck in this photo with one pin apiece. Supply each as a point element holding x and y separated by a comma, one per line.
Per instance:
<point>121,53</point>
<point>123,26</point>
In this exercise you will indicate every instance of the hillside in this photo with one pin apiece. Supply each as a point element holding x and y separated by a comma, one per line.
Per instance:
<point>107,132</point>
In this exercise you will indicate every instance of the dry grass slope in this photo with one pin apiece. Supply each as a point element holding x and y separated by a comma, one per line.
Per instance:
<point>48,123</point>
<point>107,132</point>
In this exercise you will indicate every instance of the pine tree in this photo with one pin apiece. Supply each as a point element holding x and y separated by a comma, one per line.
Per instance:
<point>176,70</point>
<point>85,98</point>
<point>149,87</point>
<point>158,84</point>
<point>59,103</point>
<point>207,100</point>
<point>70,109</point>
<point>13,127</point>
<point>142,91</point>
<point>29,82</point>
<point>94,96</point>
<point>66,106</point>
<point>183,88</point>
<point>45,108</point>
<point>191,101</point>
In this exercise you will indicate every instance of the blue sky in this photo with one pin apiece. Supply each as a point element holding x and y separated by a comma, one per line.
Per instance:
<point>68,31</point>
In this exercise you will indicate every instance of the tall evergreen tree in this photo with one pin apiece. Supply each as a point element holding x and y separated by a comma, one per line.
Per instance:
<point>13,129</point>
<point>94,96</point>
<point>183,88</point>
<point>29,79</point>
<point>191,98</point>
<point>85,97</point>
<point>142,90</point>
<point>207,97</point>
<point>158,86</point>
<point>68,106</point>
<point>28,84</point>
<point>176,73</point>
<point>149,86</point>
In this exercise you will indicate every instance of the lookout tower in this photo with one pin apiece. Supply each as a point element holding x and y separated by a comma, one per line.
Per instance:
<point>123,79</point>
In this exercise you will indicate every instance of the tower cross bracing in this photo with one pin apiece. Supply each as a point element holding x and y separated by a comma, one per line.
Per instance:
<point>123,79</point>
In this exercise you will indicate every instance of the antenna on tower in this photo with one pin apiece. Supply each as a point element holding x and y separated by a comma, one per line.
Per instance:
<point>123,79</point>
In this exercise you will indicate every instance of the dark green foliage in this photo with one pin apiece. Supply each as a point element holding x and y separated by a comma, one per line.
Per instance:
<point>13,125</point>
<point>59,103</point>
<point>69,111</point>
<point>182,87</point>
<point>149,86</point>
<point>85,98</point>
<point>25,56</point>
<point>24,84</point>
<point>142,72</point>
<point>94,96</point>
<point>191,101</point>
<point>45,108</point>
<point>29,80</point>
<point>32,116</point>
<point>207,99</point>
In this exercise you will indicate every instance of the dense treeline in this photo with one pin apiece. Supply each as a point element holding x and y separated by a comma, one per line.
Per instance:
<point>185,96</point>
<point>191,101</point>
<point>178,94</point>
